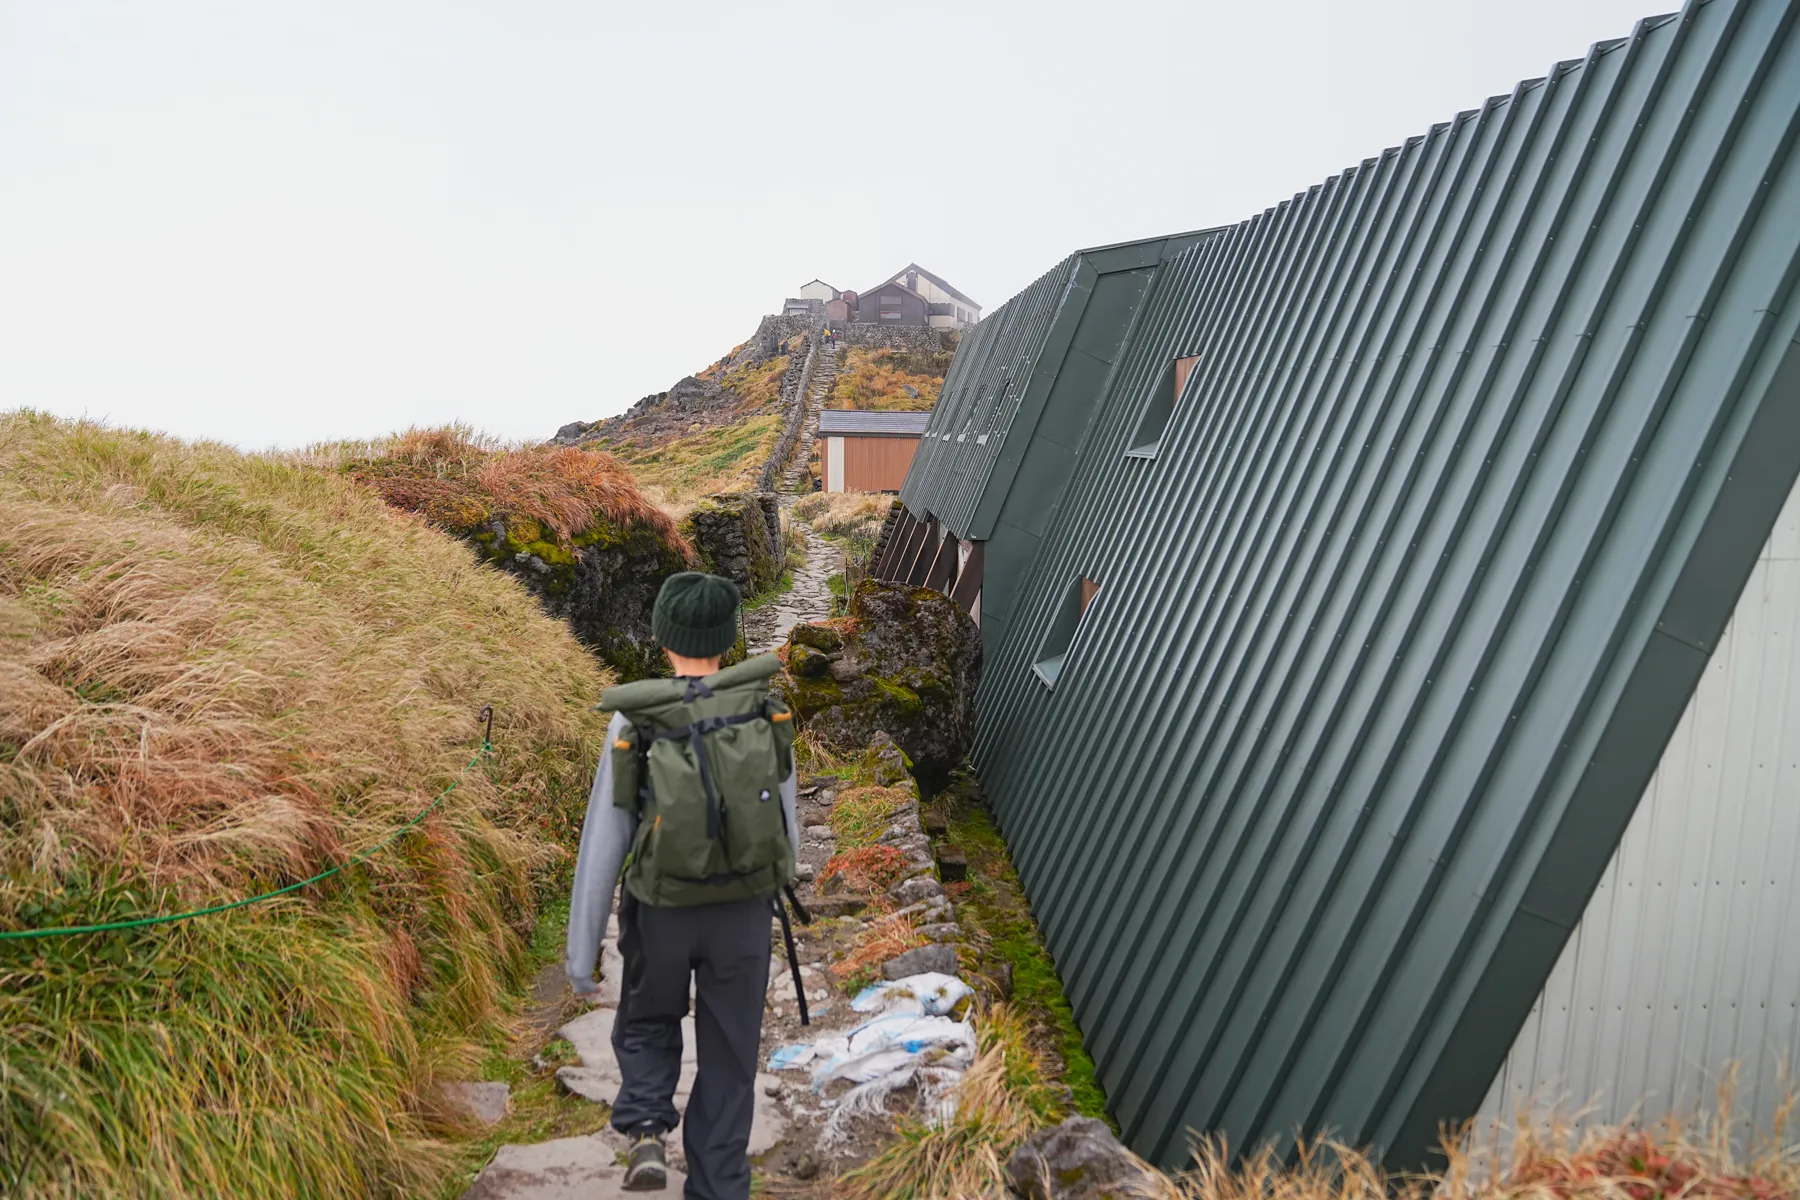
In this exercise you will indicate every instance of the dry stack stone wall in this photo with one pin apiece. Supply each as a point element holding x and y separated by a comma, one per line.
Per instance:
<point>794,385</point>
<point>738,536</point>
<point>894,337</point>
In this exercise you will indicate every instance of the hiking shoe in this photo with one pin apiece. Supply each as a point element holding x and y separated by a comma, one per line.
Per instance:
<point>646,1166</point>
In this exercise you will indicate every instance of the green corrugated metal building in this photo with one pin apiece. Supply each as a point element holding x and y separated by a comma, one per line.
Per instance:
<point>1342,574</point>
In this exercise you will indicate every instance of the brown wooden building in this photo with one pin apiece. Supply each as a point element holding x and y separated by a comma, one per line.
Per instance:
<point>867,451</point>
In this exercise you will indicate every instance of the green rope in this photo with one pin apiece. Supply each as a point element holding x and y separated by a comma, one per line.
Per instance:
<point>67,930</point>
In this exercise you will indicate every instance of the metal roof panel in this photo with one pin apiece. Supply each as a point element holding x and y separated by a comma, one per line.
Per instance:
<point>844,421</point>
<point>1397,616</point>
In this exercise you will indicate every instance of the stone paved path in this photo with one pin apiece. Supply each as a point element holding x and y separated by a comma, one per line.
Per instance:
<point>586,1168</point>
<point>824,378</point>
<point>809,600</point>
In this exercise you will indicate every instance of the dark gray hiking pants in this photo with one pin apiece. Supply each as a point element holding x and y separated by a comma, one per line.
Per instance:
<point>726,949</point>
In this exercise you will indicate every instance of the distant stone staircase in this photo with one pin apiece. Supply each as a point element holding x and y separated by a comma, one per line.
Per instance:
<point>824,378</point>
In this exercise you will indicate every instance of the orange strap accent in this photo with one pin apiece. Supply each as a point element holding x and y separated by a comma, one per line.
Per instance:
<point>786,716</point>
<point>621,744</point>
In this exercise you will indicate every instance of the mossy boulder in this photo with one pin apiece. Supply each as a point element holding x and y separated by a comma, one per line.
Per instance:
<point>816,637</point>
<point>807,663</point>
<point>1078,1160</point>
<point>738,536</point>
<point>603,581</point>
<point>906,663</point>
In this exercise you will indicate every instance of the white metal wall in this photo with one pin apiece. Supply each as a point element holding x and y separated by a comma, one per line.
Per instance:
<point>1688,956</point>
<point>834,464</point>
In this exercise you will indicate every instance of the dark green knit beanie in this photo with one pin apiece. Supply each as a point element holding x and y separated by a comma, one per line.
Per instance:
<point>696,614</point>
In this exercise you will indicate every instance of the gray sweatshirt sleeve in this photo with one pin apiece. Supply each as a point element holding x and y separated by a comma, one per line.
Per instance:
<point>605,837</point>
<point>788,788</point>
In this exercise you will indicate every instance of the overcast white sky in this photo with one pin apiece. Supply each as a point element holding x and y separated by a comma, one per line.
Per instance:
<point>274,222</point>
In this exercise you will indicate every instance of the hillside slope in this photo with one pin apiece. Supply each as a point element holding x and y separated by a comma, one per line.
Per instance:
<point>878,379</point>
<point>713,431</point>
<point>709,433</point>
<point>221,674</point>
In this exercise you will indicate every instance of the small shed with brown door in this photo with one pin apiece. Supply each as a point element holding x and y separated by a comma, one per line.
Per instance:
<point>867,451</point>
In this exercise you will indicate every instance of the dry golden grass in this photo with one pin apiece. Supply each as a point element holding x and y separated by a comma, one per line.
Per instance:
<point>457,480</point>
<point>758,385</point>
<point>220,673</point>
<point>845,515</point>
<point>676,471</point>
<point>1000,1101</point>
<point>876,379</point>
<point>860,815</point>
<point>1551,1160</point>
<point>718,451</point>
<point>882,938</point>
<point>814,754</point>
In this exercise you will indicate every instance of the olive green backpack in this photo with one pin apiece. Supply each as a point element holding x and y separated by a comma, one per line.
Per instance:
<point>702,764</point>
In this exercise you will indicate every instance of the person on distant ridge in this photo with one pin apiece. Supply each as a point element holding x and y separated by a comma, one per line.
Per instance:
<point>698,783</point>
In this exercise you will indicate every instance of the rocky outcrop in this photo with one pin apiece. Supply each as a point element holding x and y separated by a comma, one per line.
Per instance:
<point>659,415</point>
<point>1078,1160</point>
<point>603,581</point>
<point>905,662</point>
<point>738,536</point>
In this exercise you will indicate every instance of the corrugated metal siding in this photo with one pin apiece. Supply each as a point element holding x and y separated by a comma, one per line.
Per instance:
<point>1483,440</point>
<point>1012,405</point>
<point>1688,956</point>
<point>980,395</point>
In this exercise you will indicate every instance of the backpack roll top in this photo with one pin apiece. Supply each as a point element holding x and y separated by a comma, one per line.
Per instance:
<point>707,758</point>
<point>626,769</point>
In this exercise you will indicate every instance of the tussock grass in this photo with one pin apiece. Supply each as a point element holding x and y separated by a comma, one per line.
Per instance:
<point>1003,1099</point>
<point>220,673</point>
<point>721,450</point>
<point>884,937</point>
<point>457,480</point>
<point>860,815</point>
<point>1548,1159</point>
<point>757,384</point>
<point>854,517</point>
<point>815,755</point>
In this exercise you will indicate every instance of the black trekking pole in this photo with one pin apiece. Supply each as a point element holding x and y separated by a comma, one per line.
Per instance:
<point>793,954</point>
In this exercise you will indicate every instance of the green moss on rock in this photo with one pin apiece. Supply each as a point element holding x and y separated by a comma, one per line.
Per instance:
<point>907,665</point>
<point>603,581</point>
<point>903,697</point>
<point>817,637</point>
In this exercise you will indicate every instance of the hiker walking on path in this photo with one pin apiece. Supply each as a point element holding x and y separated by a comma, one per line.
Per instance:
<point>698,784</point>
